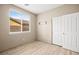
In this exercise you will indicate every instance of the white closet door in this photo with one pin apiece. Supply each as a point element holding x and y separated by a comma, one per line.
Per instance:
<point>78,32</point>
<point>70,41</point>
<point>73,32</point>
<point>62,30</point>
<point>55,31</point>
<point>57,38</point>
<point>59,33</point>
<point>67,31</point>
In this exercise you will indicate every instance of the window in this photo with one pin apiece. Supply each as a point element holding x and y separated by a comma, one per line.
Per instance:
<point>19,22</point>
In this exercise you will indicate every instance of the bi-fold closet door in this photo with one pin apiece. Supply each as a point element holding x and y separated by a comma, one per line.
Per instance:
<point>70,32</point>
<point>66,31</point>
<point>77,32</point>
<point>57,39</point>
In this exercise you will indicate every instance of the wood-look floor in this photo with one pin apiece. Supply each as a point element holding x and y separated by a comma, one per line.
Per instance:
<point>38,48</point>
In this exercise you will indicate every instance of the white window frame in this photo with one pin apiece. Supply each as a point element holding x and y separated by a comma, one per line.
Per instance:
<point>21,23</point>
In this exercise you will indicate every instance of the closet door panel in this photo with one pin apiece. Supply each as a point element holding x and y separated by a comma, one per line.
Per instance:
<point>60,30</point>
<point>73,32</point>
<point>67,36</point>
<point>69,31</point>
<point>55,31</point>
<point>77,33</point>
<point>57,38</point>
<point>62,25</point>
<point>65,32</point>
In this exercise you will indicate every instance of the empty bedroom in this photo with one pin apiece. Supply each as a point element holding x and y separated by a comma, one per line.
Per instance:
<point>39,29</point>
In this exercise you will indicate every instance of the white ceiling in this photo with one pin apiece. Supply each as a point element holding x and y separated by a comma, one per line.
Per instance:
<point>38,8</point>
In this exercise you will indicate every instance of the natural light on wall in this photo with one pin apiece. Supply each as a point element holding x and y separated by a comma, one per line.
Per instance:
<point>19,22</point>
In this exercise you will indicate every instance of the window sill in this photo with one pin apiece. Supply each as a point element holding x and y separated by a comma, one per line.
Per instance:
<point>19,32</point>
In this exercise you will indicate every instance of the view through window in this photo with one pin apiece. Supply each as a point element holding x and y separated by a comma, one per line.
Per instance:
<point>19,22</point>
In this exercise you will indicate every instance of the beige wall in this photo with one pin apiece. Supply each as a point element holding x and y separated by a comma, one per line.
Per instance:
<point>44,30</point>
<point>8,40</point>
